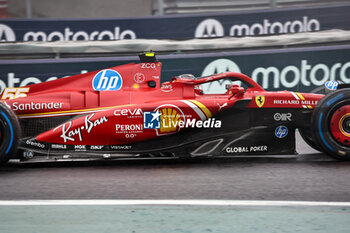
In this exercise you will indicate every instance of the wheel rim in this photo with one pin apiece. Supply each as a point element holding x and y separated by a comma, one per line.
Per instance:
<point>340,125</point>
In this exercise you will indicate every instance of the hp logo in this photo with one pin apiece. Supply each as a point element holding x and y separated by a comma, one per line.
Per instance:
<point>281,131</point>
<point>332,85</point>
<point>107,80</point>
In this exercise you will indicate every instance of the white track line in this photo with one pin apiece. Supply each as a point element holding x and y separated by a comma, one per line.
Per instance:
<point>171,203</point>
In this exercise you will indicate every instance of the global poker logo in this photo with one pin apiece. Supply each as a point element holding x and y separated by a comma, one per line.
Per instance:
<point>107,80</point>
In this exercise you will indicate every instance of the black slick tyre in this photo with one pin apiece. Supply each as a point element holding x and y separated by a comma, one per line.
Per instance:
<point>330,124</point>
<point>10,133</point>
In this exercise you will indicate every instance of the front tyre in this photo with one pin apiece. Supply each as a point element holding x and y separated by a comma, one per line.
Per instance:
<point>10,133</point>
<point>331,124</point>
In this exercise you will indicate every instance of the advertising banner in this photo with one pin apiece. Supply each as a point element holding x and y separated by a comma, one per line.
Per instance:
<point>297,69</point>
<point>247,23</point>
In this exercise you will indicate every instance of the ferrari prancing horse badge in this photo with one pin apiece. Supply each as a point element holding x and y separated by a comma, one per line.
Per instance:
<point>260,100</point>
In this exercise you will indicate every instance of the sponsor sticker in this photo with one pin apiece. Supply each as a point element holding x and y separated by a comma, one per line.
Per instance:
<point>80,148</point>
<point>148,65</point>
<point>107,80</point>
<point>246,149</point>
<point>332,85</point>
<point>295,102</point>
<point>96,147</point>
<point>35,144</point>
<point>28,154</point>
<point>69,134</point>
<point>14,92</point>
<point>151,120</point>
<point>172,118</point>
<point>36,106</point>
<point>120,147</point>
<point>282,116</point>
<point>281,131</point>
<point>59,146</point>
<point>130,113</point>
<point>139,77</point>
<point>129,128</point>
<point>168,118</point>
<point>260,100</point>
<point>166,88</point>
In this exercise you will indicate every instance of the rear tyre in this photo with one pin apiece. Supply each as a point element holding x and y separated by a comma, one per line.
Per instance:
<point>331,124</point>
<point>10,133</point>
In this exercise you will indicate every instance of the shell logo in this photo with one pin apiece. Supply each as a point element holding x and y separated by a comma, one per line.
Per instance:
<point>170,119</point>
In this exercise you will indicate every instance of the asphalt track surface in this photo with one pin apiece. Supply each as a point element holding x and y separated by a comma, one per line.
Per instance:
<point>312,176</point>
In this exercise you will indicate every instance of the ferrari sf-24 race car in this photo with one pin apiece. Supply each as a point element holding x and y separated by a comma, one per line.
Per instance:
<point>125,112</point>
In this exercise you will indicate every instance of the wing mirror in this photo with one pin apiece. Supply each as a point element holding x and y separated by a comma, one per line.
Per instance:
<point>234,90</point>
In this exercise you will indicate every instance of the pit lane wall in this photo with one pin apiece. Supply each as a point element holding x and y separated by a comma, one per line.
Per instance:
<point>233,24</point>
<point>296,69</point>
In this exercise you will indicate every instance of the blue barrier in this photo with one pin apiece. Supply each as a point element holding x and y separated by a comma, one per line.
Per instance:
<point>252,23</point>
<point>297,69</point>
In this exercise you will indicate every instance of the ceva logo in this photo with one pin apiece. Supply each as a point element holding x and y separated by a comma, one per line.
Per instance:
<point>6,33</point>
<point>209,28</point>
<point>107,80</point>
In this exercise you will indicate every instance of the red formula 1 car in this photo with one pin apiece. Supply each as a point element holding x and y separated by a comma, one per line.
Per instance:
<point>125,112</point>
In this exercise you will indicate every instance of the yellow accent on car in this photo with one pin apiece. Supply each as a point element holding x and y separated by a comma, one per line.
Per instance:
<point>203,107</point>
<point>170,119</point>
<point>149,54</point>
<point>300,96</point>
